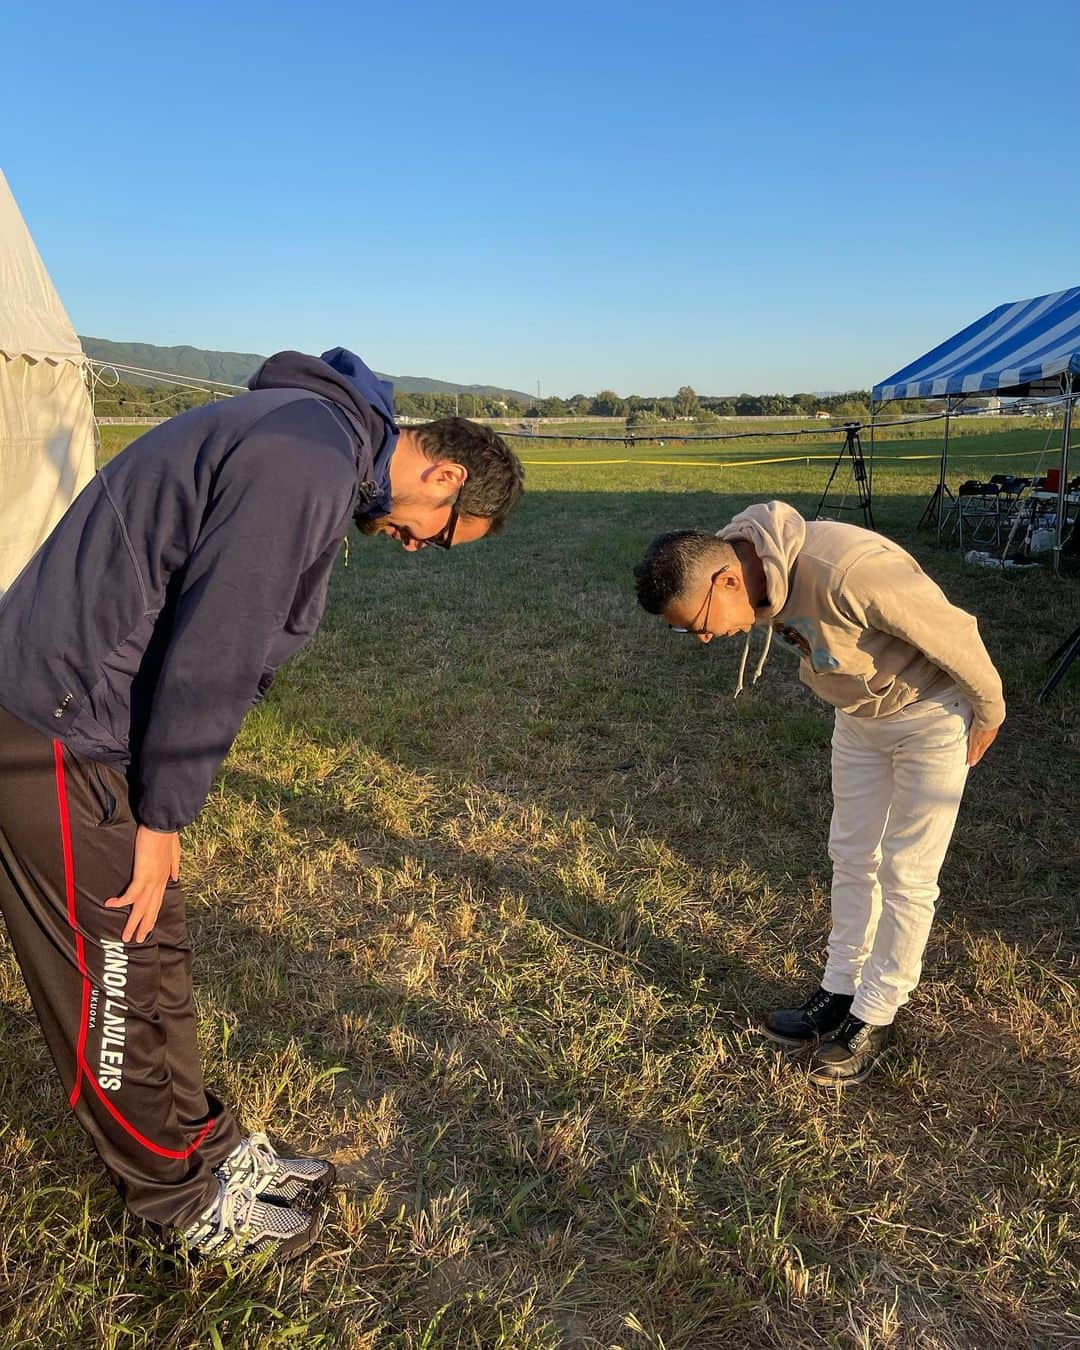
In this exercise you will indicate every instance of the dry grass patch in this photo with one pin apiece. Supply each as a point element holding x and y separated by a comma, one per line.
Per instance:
<point>487,901</point>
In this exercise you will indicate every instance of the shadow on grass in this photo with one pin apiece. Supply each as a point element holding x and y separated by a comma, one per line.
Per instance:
<point>530,666</point>
<point>584,1072</point>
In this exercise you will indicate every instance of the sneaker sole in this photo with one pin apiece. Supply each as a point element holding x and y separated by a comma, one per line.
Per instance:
<point>302,1243</point>
<point>288,1250</point>
<point>270,1250</point>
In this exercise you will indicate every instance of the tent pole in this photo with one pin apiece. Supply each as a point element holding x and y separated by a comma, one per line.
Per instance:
<point>941,474</point>
<point>873,417</point>
<point>1063,484</point>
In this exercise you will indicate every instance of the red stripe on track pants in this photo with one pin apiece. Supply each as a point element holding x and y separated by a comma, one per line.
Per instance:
<point>118,1017</point>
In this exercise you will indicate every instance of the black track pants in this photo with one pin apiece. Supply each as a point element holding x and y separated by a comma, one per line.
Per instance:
<point>118,1017</point>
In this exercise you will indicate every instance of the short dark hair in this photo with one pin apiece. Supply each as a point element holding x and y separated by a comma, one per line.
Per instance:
<point>496,477</point>
<point>669,564</point>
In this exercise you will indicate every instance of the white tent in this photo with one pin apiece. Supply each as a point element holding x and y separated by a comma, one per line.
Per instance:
<point>46,421</point>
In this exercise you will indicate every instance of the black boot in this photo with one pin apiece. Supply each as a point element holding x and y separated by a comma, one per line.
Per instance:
<point>847,1056</point>
<point>821,1014</point>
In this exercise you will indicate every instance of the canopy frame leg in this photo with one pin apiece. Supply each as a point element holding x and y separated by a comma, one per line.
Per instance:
<point>942,487</point>
<point>1063,483</point>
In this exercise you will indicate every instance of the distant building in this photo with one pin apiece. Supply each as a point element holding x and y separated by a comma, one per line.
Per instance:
<point>983,407</point>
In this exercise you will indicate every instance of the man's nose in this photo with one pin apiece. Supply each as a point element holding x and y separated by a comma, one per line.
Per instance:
<point>704,637</point>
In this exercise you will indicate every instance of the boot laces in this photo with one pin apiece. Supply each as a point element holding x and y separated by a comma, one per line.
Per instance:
<point>819,1001</point>
<point>852,1032</point>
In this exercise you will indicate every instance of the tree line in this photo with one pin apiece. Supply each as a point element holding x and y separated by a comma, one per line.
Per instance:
<point>135,400</point>
<point>686,403</point>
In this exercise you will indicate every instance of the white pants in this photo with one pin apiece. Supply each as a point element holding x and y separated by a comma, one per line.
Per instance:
<point>897,783</point>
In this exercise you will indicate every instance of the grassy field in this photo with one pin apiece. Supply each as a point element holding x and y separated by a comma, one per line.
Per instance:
<point>798,431</point>
<point>1025,437</point>
<point>487,901</point>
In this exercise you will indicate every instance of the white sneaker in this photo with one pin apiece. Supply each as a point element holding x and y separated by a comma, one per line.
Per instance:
<point>291,1181</point>
<point>238,1223</point>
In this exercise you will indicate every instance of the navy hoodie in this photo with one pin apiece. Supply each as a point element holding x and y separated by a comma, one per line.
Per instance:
<point>189,569</point>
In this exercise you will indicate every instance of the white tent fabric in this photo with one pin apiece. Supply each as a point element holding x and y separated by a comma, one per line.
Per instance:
<point>46,420</point>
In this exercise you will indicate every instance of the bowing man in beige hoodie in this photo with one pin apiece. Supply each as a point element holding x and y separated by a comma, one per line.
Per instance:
<point>917,702</point>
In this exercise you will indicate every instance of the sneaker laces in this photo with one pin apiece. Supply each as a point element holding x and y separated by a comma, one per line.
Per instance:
<point>237,1209</point>
<point>253,1162</point>
<point>225,1219</point>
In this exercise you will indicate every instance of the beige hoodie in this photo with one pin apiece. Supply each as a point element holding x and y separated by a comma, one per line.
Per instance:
<point>873,632</point>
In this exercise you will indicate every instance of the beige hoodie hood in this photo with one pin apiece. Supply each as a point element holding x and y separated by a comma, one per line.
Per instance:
<point>777,533</point>
<point>873,632</point>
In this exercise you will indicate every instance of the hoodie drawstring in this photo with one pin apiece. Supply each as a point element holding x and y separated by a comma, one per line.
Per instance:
<point>742,663</point>
<point>759,668</point>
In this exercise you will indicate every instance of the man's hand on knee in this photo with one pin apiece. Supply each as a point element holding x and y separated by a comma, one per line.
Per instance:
<point>156,862</point>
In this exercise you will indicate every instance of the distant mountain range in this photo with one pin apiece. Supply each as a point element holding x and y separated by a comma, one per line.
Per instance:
<point>238,367</point>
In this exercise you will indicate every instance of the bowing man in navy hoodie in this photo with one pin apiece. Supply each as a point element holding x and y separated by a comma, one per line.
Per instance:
<point>131,646</point>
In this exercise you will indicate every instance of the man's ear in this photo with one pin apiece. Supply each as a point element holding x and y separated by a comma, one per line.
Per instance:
<point>732,581</point>
<point>446,475</point>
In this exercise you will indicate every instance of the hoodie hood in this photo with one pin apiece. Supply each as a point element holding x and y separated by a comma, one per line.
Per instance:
<point>347,366</point>
<point>777,533</point>
<point>341,377</point>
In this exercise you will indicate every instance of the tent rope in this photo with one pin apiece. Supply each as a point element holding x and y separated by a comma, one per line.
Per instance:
<point>165,376</point>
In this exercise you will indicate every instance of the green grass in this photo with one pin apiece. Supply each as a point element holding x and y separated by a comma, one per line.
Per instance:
<point>486,903</point>
<point>903,425</point>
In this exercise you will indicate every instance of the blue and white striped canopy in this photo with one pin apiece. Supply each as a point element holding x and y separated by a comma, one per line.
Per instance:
<point>1011,348</point>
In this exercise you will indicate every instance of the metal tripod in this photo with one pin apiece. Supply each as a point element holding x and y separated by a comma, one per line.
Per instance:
<point>851,450</point>
<point>1065,655</point>
<point>931,515</point>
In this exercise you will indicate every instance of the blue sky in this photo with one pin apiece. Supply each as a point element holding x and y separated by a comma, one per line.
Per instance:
<point>736,196</point>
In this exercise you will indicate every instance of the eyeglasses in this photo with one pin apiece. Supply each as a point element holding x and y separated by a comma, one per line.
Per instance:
<point>693,629</point>
<point>445,537</point>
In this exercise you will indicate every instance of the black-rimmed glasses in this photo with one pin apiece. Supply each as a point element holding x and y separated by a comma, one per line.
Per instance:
<point>445,537</point>
<point>693,629</point>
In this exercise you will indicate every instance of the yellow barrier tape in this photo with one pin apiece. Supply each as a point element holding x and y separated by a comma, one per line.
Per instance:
<point>782,459</point>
